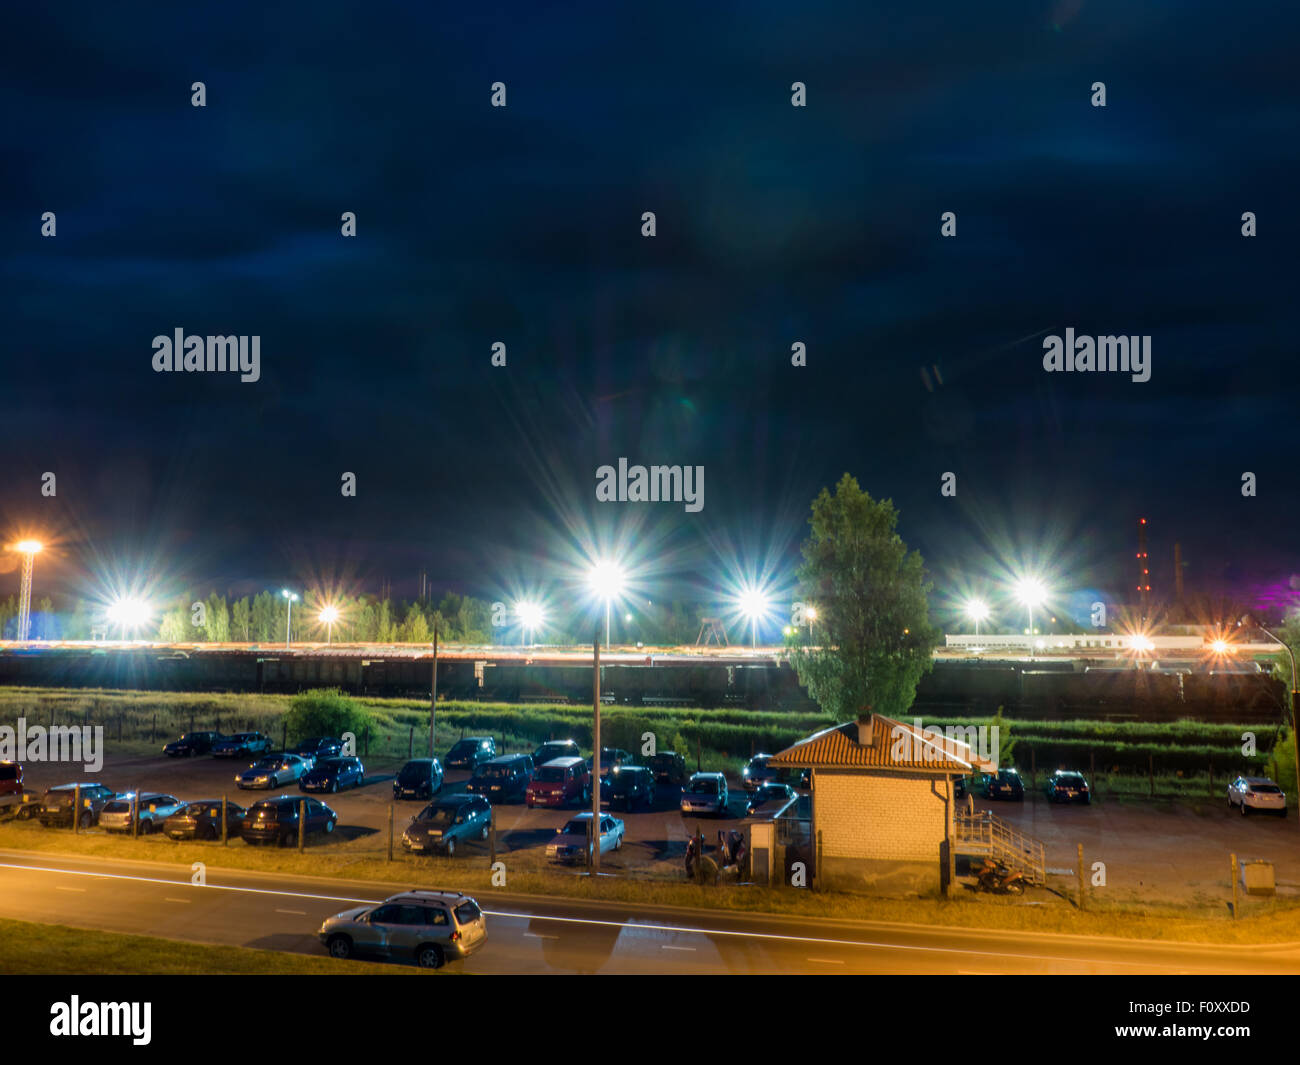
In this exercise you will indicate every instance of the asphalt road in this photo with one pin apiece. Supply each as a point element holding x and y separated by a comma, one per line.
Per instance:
<point>532,935</point>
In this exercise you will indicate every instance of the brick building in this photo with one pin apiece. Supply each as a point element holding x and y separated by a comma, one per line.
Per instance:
<point>882,803</point>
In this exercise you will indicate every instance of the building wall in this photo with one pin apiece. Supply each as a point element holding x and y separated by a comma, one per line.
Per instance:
<point>881,831</point>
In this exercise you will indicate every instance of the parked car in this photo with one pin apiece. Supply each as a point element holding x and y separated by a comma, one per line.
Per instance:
<point>240,745</point>
<point>271,771</point>
<point>504,779</point>
<point>629,786</point>
<point>155,808</point>
<point>570,842</point>
<point>56,806</point>
<point>1256,793</point>
<point>960,787</point>
<point>611,758</point>
<point>331,774</point>
<point>705,793</point>
<point>558,783</point>
<point>446,823</point>
<point>314,748</point>
<point>202,820</point>
<point>1004,784</point>
<point>1065,785</point>
<point>192,743</point>
<point>553,749</point>
<point>276,820</point>
<point>15,800</point>
<point>429,928</point>
<point>420,778</point>
<point>470,752</point>
<point>769,798</point>
<point>759,772</point>
<point>669,767</point>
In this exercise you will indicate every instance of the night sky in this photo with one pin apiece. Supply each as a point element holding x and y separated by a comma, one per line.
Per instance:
<point>522,224</point>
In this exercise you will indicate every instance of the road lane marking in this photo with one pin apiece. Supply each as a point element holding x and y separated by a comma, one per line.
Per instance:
<point>296,913</point>
<point>632,925</point>
<point>534,935</point>
<point>185,901</point>
<point>667,946</point>
<point>81,889</point>
<point>826,961</point>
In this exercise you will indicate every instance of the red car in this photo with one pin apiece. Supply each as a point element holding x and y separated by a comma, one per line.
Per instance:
<point>559,782</point>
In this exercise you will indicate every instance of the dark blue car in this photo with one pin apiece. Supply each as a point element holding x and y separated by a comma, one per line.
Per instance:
<point>332,774</point>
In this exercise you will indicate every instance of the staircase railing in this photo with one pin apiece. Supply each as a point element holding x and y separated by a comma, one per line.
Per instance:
<point>983,834</point>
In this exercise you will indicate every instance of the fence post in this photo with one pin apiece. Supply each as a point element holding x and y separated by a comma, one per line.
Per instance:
<point>492,838</point>
<point>135,813</point>
<point>1235,899</point>
<point>224,831</point>
<point>367,740</point>
<point>120,716</point>
<point>1082,890</point>
<point>390,831</point>
<point>1151,774</point>
<point>76,808</point>
<point>698,745</point>
<point>1211,778</point>
<point>153,730</point>
<point>284,735</point>
<point>1092,770</point>
<point>410,744</point>
<point>302,824</point>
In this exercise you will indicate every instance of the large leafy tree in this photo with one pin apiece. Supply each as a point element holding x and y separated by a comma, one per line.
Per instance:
<point>872,639</point>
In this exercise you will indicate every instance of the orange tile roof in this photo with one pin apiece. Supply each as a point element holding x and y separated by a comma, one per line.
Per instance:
<point>838,748</point>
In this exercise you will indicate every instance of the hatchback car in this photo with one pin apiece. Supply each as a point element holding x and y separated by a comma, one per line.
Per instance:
<point>768,799</point>
<point>155,808</point>
<point>1004,784</point>
<point>428,928</point>
<point>611,758</point>
<point>503,779</point>
<point>558,783</point>
<point>446,823</point>
<point>192,743</point>
<point>314,748</point>
<point>420,778</point>
<point>669,767</point>
<point>570,842</point>
<point>1065,785</point>
<point>331,774</point>
<point>628,786</point>
<point>705,793</point>
<point>271,771</point>
<point>241,744</point>
<point>759,772</point>
<point>202,820</point>
<point>276,820</point>
<point>1256,793</point>
<point>470,752</point>
<point>56,806</point>
<point>552,749</point>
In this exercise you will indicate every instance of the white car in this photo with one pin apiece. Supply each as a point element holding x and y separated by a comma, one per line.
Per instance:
<point>570,843</point>
<point>155,808</point>
<point>1256,793</point>
<point>272,771</point>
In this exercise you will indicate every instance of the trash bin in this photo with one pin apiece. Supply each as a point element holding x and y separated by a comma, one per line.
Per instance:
<point>1257,878</point>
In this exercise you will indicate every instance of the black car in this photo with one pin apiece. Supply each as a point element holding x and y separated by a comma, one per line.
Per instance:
<point>610,758</point>
<point>420,778</point>
<point>314,748</point>
<point>767,799</point>
<point>1004,784</point>
<point>628,785</point>
<point>669,767</point>
<point>503,779</point>
<point>470,752</point>
<point>57,805</point>
<point>241,745</point>
<point>202,820</point>
<point>960,787</point>
<point>331,774</point>
<point>553,749</point>
<point>192,743</point>
<point>276,820</point>
<point>1065,785</point>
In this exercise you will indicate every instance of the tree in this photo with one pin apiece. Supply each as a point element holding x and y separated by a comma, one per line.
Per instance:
<point>415,629</point>
<point>240,620</point>
<point>325,712</point>
<point>874,635</point>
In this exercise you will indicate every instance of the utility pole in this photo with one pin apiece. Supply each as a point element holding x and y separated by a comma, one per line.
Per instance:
<point>433,695</point>
<point>595,761</point>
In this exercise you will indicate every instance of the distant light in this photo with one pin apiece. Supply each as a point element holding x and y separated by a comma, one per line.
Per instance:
<point>128,613</point>
<point>29,547</point>
<point>627,617</point>
<point>1219,647</point>
<point>606,579</point>
<point>810,612</point>
<point>529,614</point>
<point>1030,591</point>
<point>291,596</point>
<point>329,615</point>
<point>788,630</point>
<point>754,603</point>
<point>976,609</point>
<point>1140,642</point>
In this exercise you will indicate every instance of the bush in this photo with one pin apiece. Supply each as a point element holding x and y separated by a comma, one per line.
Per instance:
<point>325,712</point>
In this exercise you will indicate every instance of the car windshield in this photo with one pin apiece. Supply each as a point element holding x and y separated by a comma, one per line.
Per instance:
<point>576,827</point>
<point>1071,779</point>
<point>464,747</point>
<point>550,774</point>
<point>190,736</point>
<point>495,772</point>
<point>117,806</point>
<point>413,773</point>
<point>266,763</point>
<point>1265,789</point>
<point>547,751</point>
<point>438,815</point>
<point>703,787</point>
<point>466,912</point>
<point>333,764</point>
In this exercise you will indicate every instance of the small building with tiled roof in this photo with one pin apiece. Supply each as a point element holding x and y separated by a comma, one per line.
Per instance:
<point>883,802</point>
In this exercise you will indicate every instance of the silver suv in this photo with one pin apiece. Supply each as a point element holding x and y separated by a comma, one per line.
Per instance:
<point>705,793</point>
<point>429,928</point>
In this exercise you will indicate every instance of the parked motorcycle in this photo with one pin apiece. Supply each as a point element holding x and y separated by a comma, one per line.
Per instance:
<point>998,878</point>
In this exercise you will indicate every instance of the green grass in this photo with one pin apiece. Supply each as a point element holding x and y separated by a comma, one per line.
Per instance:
<point>57,950</point>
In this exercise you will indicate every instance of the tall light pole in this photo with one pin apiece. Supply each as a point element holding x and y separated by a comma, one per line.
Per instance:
<point>1295,694</point>
<point>530,619</point>
<point>29,549</point>
<point>606,580</point>
<point>289,599</point>
<point>977,610</point>
<point>329,615</point>
<point>754,604</point>
<point>1030,591</point>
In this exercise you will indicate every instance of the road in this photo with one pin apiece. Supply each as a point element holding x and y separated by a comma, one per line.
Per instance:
<point>535,935</point>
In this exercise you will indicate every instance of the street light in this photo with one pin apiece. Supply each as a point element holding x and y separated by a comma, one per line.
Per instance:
<point>128,614</point>
<point>754,604</point>
<point>1030,591</point>
<point>810,615</point>
<point>1295,691</point>
<point>530,617</point>
<point>329,615</point>
<point>29,549</point>
<point>978,610</point>
<point>606,580</point>
<point>289,599</point>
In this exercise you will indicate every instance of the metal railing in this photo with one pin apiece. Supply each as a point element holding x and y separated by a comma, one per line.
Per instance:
<point>981,833</point>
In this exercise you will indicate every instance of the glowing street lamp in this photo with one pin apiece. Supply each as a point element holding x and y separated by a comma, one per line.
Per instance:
<point>289,599</point>
<point>606,580</point>
<point>328,616</point>
<point>530,616</point>
<point>29,549</point>
<point>977,610</point>
<point>128,615</point>
<point>1030,592</point>
<point>754,604</point>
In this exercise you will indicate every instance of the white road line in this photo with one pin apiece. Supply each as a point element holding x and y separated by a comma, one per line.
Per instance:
<point>81,889</point>
<point>826,961</point>
<point>185,901</point>
<point>296,913</point>
<point>534,935</point>
<point>669,947</point>
<point>635,925</point>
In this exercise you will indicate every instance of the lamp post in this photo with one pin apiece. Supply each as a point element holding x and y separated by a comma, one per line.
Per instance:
<point>29,549</point>
<point>289,599</point>
<point>1295,693</point>
<point>329,615</point>
<point>1030,591</point>
<point>977,610</point>
<point>606,580</point>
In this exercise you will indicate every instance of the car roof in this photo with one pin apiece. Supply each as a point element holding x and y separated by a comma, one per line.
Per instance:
<point>426,895</point>
<point>703,776</point>
<point>558,743</point>
<point>1259,780</point>
<point>564,761</point>
<point>505,759</point>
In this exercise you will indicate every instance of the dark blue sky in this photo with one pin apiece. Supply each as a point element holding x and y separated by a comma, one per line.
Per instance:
<point>522,224</point>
